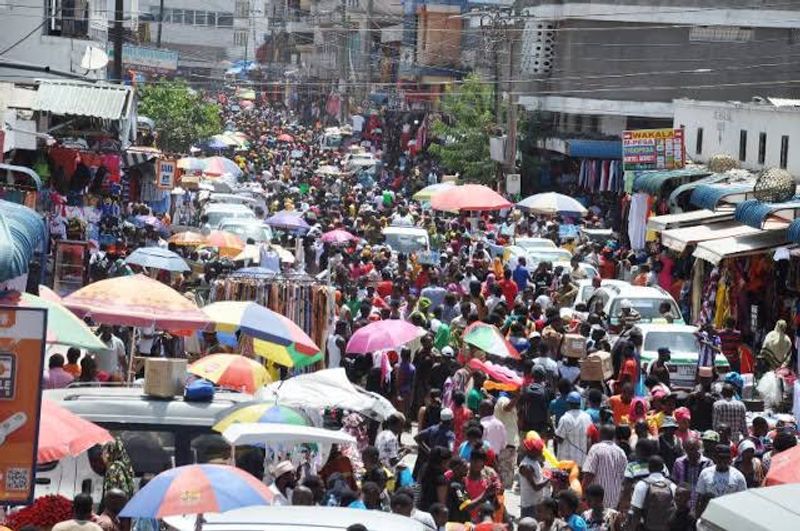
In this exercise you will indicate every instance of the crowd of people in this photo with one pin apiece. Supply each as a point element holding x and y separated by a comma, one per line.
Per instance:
<point>625,454</point>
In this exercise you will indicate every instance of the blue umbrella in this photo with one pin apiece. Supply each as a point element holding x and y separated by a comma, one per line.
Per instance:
<point>290,221</point>
<point>157,258</point>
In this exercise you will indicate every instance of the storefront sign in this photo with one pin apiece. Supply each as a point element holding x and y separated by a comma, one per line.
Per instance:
<point>653,149</point>
<point>165,174</point>
<point>151,60</point>
<point>513,184</point>
<point>22,344</point>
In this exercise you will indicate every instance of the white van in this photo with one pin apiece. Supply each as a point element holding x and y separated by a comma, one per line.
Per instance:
<point>407,239</point>
<point>217,212</point>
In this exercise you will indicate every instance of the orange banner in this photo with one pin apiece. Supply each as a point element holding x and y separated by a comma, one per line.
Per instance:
<point>22,346</point>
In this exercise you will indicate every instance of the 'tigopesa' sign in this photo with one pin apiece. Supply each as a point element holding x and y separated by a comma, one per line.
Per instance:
<point>653,149</point>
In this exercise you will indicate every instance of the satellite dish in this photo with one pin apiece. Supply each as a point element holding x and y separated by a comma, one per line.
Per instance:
<point>94,58</point>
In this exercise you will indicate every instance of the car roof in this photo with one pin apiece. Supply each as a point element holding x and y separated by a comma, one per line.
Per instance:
<point>226,207</point>
<point>243,221</point>
<point>404,230</point>
<point>603,283</point>
<point>665,327</point>
<point>550,243</point>
<point>629,291</point>
<point>129,405</point>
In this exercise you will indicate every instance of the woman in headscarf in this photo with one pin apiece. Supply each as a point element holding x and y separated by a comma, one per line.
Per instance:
<point>777,347</point>
<point>119,470</point>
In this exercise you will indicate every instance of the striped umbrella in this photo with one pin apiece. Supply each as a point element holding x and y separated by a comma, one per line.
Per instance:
<point>197,489</point>
<point>259,413</point>
<point>221,166</point>
<point>429,191</point>
<point>231,371</point>
<point>489,339</point>
<point>188,238</point>
<point>275,337</point>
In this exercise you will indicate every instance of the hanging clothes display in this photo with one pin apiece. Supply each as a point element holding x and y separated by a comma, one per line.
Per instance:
<point>598,175</point>
<point>637,220</point>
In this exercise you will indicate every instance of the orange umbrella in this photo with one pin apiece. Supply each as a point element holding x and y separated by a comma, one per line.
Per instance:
<point>232,371</point>
<point>188,238</point>
<point>228,243</point>
<point>62,433</point>
<point>136,300</point>
<point>469,197</point>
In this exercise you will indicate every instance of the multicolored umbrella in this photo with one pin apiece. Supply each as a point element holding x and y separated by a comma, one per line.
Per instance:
<point>259,413</point>
<point>197,489</point>
<point>474,197</point>
<point>229,244</point>
<point>157,258</point>
<point>221,166</point>
<point>63,433</point>
<point>552,203</point>
<point>136,300</point>
<point>191,164</point>
<point>490,340</point>
<point>232,371</point>
<point>338,237</point>
<point>429,191</point>
<point>277,337</point>
<point>288,220</point>
<point>383,335</point>
<point>63,326</point>
<point>188,238</point>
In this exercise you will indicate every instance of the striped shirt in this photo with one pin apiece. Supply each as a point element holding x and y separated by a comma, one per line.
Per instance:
<point>730,340</point>
<point>708,349</point>
<point>730,412</point>
<point>607,462</point>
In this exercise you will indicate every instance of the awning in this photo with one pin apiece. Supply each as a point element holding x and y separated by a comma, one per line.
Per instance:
<point>594,149</point>
<point>696,217</point>
<point>139,155</point>
<point>22,233</point>
<point>651,182</point>
<point>679,239</point>
<point>715,250</point>
<point>757,214</point>
<point>678,198</point>
<point>793,233</point>
<point>98,100</point>
<point>710,195</point>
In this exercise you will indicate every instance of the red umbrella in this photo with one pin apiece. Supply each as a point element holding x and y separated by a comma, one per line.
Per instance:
<point>469,197</point>
<point>784,468</point>
<point>62,434</point>
<point>338,236</point>
<point>285,138</point>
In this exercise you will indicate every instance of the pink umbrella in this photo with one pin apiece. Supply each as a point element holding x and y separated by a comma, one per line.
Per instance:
<point>62,433</point>
<point>383,335</point>
<point>469,197</point>
<point>338,237</point>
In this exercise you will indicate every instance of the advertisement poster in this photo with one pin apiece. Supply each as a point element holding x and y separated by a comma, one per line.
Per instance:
<point>653,149</point>
<point>22,347</point>
<point>165,174</point>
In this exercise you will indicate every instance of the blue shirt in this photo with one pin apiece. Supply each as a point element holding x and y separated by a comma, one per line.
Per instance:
<point>437,435</point>
<point>520,276</point>
<point>576,523</point>
<point>558,406</point>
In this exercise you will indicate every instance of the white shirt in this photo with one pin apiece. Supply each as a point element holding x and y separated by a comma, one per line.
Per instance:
<point>640,490</point>
<point>509,420</point>
<point>714,483</point>
<point>108,360</point>
<point>572,428</point>
<point>334,352</point>
<point>528,496</point>
<point>494,432</point>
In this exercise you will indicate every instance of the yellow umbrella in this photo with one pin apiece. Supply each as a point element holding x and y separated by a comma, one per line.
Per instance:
<point>229,244</point>
<point>232,371</point>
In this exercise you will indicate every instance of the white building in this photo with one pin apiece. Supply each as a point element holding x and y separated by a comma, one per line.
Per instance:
<point>760,134</point>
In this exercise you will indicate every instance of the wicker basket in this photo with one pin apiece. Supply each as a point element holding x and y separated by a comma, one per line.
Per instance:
<point>774,185</point>
<point>722,162</point>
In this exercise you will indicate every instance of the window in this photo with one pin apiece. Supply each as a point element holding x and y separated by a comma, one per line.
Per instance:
<point>242,9</point>
<point>201,18</point>
<point>762,147</point>
<point>188,17</point>
<point>178,16</point>
<point>240,38</point>
<point>224,20</point>
<point>742,145</point>
<point>784,151</point>
<point>698,146</point>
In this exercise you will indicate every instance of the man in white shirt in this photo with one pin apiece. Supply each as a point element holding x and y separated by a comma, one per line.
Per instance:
<point>283,483</point>
<point>571,431</point>
<point>719,480</point>
<point>494,431</point>
<point>113,361</point>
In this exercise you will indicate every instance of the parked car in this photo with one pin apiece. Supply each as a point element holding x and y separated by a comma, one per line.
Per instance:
<point>586,287</point>
<point>406,239</point>
<point>217,212</point>
<point>682,341</point>
<point>530,244</point>
<point>645,300</point>
<point>247,228</point>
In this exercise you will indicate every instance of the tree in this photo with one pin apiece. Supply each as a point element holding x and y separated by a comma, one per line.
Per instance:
<point>181,115</point>
<point>464,131</point>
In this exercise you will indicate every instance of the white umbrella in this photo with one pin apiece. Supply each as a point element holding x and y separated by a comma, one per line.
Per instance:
<point>552,203</point>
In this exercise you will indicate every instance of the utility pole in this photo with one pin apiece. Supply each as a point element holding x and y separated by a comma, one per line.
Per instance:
<point>511,146</point>
<point>160,22</point>
<point>343,61</point>
<point>370,44</point>
<point>118,14</point>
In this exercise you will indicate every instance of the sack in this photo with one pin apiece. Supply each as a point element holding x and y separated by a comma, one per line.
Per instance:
<point>659,505</point>
<point>770,390</point>
<point>199,391</point>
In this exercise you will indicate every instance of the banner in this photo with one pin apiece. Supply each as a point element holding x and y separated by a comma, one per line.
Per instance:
<point>22,346</point>
<point>653,149</point>
<point>165,174</point>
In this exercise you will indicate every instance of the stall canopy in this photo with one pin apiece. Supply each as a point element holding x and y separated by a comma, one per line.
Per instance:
<point>793,234</point>
<point>594,149</point>
<point>715,250</point>
<point>686,219</point>
<point>22,233</point>
<point>98,100</point>
<point>678,239</point>
<point>762,509</point>
<point>711,196</point>
<point>651,182</point>
<point>767,215</point>
<point>679,198</point>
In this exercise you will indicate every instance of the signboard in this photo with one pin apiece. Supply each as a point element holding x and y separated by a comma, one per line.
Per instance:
<point>150,60</point>
<point>22,344</point>
<point>653,149</point>
<point>165,174</point>
<point>513,184</point>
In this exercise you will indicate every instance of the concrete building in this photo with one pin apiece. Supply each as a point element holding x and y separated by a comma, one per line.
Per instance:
<point>760,134</point>
<point>596,68</point>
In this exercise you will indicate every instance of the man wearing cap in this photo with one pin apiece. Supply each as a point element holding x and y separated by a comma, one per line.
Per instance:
<point>628,315</point>
<point>283,483</point>
<point>533,486</point>
<point>669,446</point>
<point>718,480</point>
<point>440,434</point>
<point>571,431</point>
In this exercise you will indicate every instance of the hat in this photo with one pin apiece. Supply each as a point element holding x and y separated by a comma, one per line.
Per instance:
<point>533,445</point>
<point>664,350</point>
<point>683,413</point>
<point>668,422</point>
<point>284,467</point>
<point>574,398</point>
<point>658,393</point>
<point>710,435</point>
<point>625,304</point>
<point>745,445</point>
<point>446,414</point>
<point>448,352</point>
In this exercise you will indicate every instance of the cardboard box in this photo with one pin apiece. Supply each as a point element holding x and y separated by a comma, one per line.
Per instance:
<point>573,346</point>
<point>164,377</point>
<point>597,367</point>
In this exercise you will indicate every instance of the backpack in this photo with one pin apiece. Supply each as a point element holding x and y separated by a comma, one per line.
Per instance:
<point>535,401</point>
<point>659,505</point>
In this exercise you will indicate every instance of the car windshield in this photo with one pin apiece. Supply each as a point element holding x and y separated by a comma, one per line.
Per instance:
<point>214,218</point>
<point>536,244</point>
<point>675,341</point>
<point>406,243</point>
<point>648,308</point>
<point>259,233</point>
